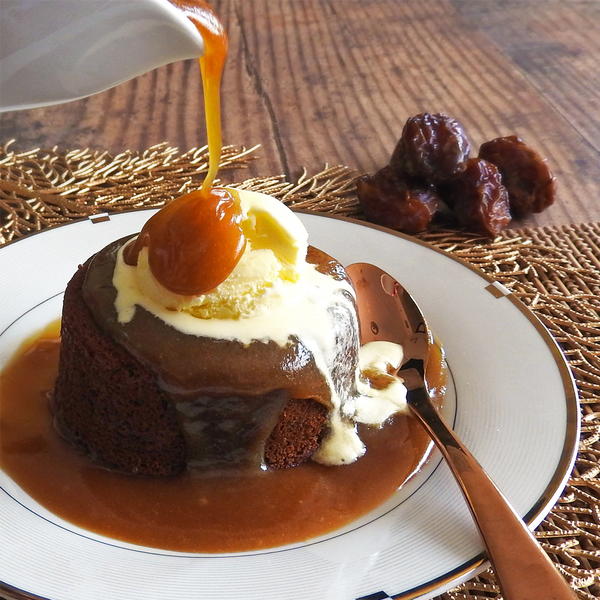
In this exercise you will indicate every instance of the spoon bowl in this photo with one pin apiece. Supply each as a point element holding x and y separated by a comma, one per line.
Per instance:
<point>387,312</point>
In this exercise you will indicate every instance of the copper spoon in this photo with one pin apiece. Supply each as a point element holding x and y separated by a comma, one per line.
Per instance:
<point>387,312</point>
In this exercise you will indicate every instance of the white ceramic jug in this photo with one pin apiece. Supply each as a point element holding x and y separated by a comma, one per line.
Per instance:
<point>53,51</point>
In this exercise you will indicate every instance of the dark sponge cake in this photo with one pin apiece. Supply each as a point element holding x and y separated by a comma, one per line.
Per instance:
<point>113,398</point>
<point>297,434</point>
<point>107,402</point>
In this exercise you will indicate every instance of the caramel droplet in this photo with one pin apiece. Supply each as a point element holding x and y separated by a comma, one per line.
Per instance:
<point>193,243</point>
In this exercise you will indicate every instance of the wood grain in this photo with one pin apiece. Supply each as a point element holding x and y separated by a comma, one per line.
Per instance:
<point>332,81</point>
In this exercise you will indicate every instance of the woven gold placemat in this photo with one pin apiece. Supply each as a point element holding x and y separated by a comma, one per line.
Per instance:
<point>553,270</point>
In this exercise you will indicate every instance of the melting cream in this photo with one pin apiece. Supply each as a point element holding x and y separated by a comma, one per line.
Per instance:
<point>375,406</point>
<point>297,308</point>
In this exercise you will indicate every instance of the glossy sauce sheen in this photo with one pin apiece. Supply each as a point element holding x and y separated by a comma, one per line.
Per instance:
<point>188,513</point>
<point>253,382</point>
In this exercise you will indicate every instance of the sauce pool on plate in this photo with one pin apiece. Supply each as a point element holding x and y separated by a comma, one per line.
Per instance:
<point>190,512</point>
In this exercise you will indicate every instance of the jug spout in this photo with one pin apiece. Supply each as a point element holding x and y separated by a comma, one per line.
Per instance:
<point>54,52</point>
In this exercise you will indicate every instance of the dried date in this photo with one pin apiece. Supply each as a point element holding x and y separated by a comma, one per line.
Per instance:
<point>479,199</point>
<point>391,200</point>
<point>525,174</point>
<point>433,147</point>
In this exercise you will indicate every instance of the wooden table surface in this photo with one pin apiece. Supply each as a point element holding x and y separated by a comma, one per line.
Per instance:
<point>332,81</point>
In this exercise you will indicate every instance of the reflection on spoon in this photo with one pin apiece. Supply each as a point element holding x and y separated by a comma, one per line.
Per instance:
<point>388,313</point>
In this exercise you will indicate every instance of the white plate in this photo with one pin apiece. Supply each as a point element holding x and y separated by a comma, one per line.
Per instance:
<point>516,408</point>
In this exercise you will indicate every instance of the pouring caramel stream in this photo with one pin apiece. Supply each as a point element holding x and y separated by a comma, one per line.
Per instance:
<point>211,69</point>
<point>196,241</point>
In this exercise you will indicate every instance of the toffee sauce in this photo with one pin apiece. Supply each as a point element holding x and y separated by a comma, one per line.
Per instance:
<point>188,513</point>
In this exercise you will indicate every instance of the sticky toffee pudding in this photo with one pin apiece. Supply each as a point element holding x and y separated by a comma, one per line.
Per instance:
<point>208,386</point>
<point>188,512</point>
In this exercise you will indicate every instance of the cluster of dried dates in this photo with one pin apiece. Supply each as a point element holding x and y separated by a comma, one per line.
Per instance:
<point>430,169</point>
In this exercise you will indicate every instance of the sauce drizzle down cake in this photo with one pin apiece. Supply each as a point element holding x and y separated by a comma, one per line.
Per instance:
<point>215,338</point>
<point>260,372</point>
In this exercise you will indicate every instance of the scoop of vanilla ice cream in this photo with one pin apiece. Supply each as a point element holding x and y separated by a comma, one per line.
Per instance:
<point>276,246</point>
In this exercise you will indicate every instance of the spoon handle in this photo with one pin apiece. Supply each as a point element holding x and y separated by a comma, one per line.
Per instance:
<point>523,569</point>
